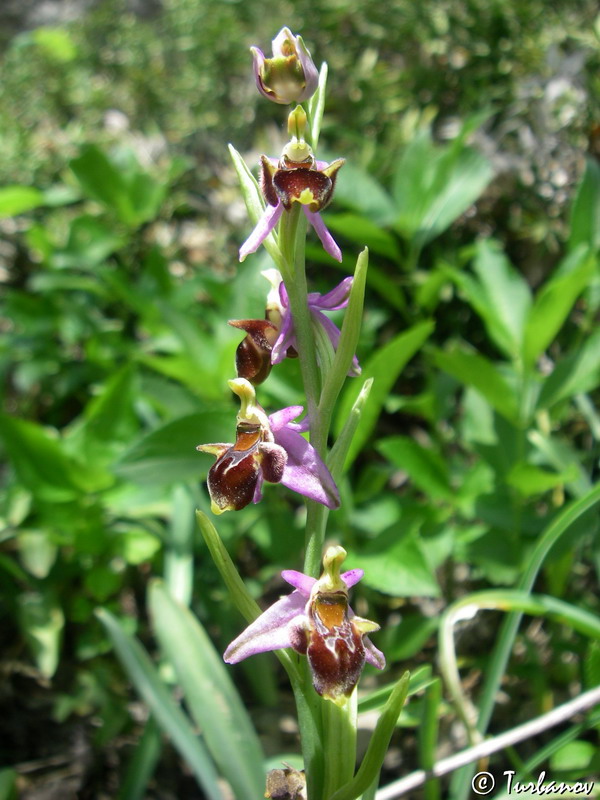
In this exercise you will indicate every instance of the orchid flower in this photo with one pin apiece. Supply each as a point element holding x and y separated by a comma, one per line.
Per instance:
<point>316,620</point>
<point>267,448</point>
<point>290,76</point>
<point>296,178</point>
<point>278,308</point>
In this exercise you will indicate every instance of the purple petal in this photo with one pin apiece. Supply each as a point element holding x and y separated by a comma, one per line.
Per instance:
<point>335,299</point>
<point>311,75</point>
<point>326,238</point>
<point>258,495</point>
<point>264,226</point>
<point>270,631</point>
<point>258,60</point>
<point>305,471</point>
<point>303,583</point>
<point>281,418</point>
<point>373,656</point>
<point>285,339</point>
<point>352,577</point>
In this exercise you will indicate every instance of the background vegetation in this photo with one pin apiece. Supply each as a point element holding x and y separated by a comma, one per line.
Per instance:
<point>465,125</point>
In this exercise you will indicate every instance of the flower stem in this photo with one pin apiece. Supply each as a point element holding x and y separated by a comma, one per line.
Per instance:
<point>292,235</point>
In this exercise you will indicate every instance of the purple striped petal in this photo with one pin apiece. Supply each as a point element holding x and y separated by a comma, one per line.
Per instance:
<point>264,226</point>
<point>281,418</point>
<point>352,577</point>
<point>270,631</point>
<point>326,238</point>
<point>305,472</point>
<point>373,656</point>
<point>303,583</point>
<point>335,299</point>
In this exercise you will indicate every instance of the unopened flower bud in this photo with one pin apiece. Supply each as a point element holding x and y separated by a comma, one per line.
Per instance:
<point>290,76</point>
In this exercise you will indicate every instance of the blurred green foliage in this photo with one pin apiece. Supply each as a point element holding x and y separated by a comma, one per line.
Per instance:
<point>120,221</point>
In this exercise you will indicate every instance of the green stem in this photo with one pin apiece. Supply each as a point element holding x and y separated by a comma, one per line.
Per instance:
<point>339,729</point>
<point>292,235</point>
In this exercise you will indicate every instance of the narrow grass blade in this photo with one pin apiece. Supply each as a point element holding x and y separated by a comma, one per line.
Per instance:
<point>209,693</point>
<point>142,764</point>
<point>168,714</point>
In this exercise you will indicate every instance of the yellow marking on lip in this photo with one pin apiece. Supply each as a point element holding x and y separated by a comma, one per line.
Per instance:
<point>331,610</point>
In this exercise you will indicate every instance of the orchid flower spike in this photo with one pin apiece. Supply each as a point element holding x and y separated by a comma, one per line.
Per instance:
<point>290,76</point>
<point>296,178</point>
<point>317,621</point>
<point>267,448</point>
<point>278,308</point>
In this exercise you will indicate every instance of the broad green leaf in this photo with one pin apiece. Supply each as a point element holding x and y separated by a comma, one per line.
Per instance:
<point>167,713</point>
<point>585,214</point>
<point>365,233</point>
<point>90,242</point>
<point>563,457</point>
<point>37,551</point>
<point>357,189</point>
<point>107,414</point>
<point>42,621</point>
<point>40,461</point>
<point>102,181</point>
<point>529,479</point>
<point>503,300</point>
<point>579,756</point>
<point>426,468</point>
<point>434,185</point>
<point>578,371</point>
<point>16,200</point>
<point>168,454</point>
<point>396,566</point>
<point>209,693</point>
<point>384,367</point>
<point>472,369</point>
<point>555,300</point>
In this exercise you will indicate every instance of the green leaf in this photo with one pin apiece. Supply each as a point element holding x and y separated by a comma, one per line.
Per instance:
<point>102,181</point>
<point>378,744</point>
<point>585,215</point>
<point>578,371</point>
<point>396,565</point>
<point>253,199</point>
<point>37,552</point>
<point>40,461</point>
<point>42,621</point>
<point>357,189</point>
<point>472,369</point>
<point>16,200</point>
<point>426,468</point>
<point>501,297</point>
<point>384,367</point>
<point>316,107</point>
<point>555,300</point>
<point>168,714</point>
<point>209,693</point>
<point>530,480</point>
<point>574,756</point>
<point>168,454</point>
<point>433,186</point>
<point>365,233</point>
